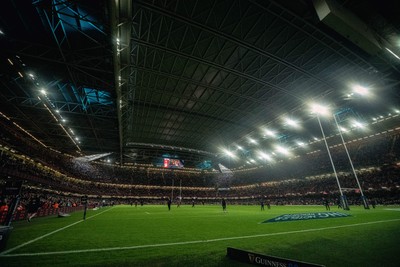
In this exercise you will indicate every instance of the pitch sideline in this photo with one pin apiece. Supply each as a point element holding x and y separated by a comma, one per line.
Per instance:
<point>48,234</point>
<point>184,242</point>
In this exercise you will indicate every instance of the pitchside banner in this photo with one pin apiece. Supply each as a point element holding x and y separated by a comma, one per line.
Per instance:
<point>263,260</point>
<point>307,216</point>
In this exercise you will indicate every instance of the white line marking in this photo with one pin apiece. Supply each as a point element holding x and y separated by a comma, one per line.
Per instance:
<point>192,242</point>
<point>46,235</point>
<point>394,209</point>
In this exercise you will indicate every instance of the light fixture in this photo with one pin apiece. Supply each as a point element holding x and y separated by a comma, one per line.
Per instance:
<point>291,122</point>
<point>360,90</point>
<point>251,140</point>
<point>393,54</point>
<point>270,133</point>
<point>282,150</point>
<point>319,109</point>
<point>229,153</point>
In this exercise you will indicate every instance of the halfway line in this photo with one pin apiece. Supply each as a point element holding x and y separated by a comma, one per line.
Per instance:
<point>46,235</point>
<point>191,242</point>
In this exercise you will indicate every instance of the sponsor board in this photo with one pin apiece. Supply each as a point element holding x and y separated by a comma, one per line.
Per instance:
<point>264,260</point>
<point>307,216</point>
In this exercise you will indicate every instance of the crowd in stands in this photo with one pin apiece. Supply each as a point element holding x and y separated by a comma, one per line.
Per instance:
<point>303,180</point>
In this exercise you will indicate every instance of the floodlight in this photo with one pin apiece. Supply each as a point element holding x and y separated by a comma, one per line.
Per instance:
<point>360,90</point>
<point>77,138</point>
<point>342,129</point>
<point>229,153</point>
<point>397,111</point>
<point>282,150</point>
<point>299,143</point>
<point>270,133</point>
<point>1,32</point>
<point>64,120</point>
<point>252,161</point>
<point>31,75</point>
<point>239,147</point>
<point>357,124</point>
<point>58,111</point>
<point>251,140</point>
<point>319,109</point>
<point>393,54</point>
<point>43,92</point>
<point>264,155</point>
<point>291,122</point>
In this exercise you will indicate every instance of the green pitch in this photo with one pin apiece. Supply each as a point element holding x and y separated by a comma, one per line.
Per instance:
<point>199,236</point>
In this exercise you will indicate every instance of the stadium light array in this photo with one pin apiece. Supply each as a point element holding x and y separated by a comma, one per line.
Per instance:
<point>301,144</point>
<point>270,133</point>
<point>252,141</point>
<point>282,150</point>
<point>393,54</point>
<point>229,153</point>
<point>291,122</point>
<point>264,156</point>
<point>319,109</point>
<point>360,90</point>
<point>357,124</point>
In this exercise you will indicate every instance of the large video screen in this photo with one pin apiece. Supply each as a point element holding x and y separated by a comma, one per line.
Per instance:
<point>172,163</point>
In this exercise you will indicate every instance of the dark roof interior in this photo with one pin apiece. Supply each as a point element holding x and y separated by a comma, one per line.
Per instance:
<point>140,79</point>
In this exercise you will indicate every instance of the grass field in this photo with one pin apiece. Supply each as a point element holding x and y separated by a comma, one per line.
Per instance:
<point>199,236</point>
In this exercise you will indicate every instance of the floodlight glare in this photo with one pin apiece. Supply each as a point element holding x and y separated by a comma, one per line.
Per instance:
<point>319,109</point>
<point>264,155</point>
<point>397,111</point>
<point>291,122</point>
<point>251,140</point>
<point>240,148</point>
<point>393,54</point>
<point>229,153</point>
<point>270,133</point>
<point>299,143</point>
<point>282,150</point>
<point>361,90</point>
<point>43,92</point>
<point>342,129</point>
<point>357,124</point>
<point>1,32</point>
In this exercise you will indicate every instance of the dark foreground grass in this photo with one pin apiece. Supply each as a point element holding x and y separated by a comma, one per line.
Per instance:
<point>199,236</point>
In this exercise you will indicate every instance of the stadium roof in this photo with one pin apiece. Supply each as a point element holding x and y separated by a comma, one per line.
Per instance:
<point>141,79</point>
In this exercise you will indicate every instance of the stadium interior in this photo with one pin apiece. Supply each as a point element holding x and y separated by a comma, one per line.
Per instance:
<point>143,100</point>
